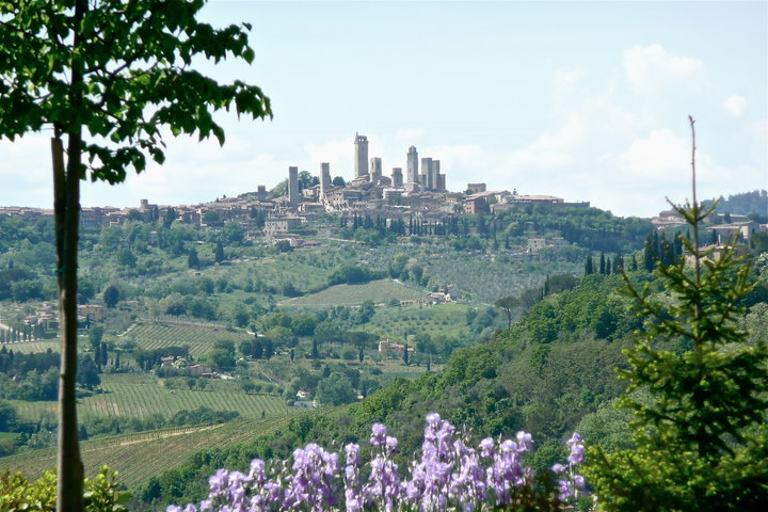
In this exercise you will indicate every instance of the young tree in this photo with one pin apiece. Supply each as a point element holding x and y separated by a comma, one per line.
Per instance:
<point>701,438</point>
<point>507,305</point>
<point>105,76</point>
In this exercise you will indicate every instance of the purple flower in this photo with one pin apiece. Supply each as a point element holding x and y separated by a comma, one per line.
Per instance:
<point>487,447</point>
<point>448,475</point>
<point>433,419</point>
<point>577,449</point>
<point>378,434</point>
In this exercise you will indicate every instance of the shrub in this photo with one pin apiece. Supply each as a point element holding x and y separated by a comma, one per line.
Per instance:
<point>100,493</point>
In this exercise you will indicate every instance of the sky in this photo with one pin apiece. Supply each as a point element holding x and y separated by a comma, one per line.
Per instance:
<point>584,100</point>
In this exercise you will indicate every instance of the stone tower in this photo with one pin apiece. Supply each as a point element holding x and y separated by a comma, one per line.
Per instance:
<point>376,170</point>
<point>427,171</point>
<point>397,177</point>
<point>361,155</point>
<point>325,178</point>
<point>412,168</point>
<point>293,186</point>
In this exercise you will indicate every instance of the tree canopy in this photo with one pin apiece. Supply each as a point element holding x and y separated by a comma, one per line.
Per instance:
<point>106,77</point>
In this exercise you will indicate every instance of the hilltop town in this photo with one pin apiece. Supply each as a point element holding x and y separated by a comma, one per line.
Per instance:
<point>419,194</point>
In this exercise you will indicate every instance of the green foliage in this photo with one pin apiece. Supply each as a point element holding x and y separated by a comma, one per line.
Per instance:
<point>335,390</point>
<point>701,439</point>
<point>350,273</point>
<point>100,493</point>
<point>111,296</point>
<point>507,305</point>
<point>8,416</point>
<point>87,372</point>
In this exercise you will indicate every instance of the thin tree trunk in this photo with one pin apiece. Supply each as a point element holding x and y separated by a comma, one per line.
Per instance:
<point>69,497</point>
<point>70,467</point>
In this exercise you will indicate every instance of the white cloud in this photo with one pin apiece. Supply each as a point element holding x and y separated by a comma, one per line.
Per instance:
<point>335,152</point>
<point>567,135</point>
<point>658,156</point>
<point>651,68</point>
<point>735,105</point>
<point>565,81</point>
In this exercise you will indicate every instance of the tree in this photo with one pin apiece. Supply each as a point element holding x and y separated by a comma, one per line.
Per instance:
<point>701,440</point>
<point>507,305</point>
<point>335,389</point>
<point>95,335</point>
<point>219,252</point>
<point>88,372</point>
<point>113,74</point>
<point>193,260</point>
<point>111,296</point>
<point>8,416</point>
<point>306,180</point>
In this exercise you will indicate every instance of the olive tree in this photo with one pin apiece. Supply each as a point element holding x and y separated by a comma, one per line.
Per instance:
<point>108,79</point>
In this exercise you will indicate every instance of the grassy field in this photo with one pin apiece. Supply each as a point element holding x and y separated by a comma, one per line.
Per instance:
<point>398,322</point>
<point>139,395</point>
<point>138,457</point>
<point>29,347</point>
<point>199,337</point>
<point>380,292</point>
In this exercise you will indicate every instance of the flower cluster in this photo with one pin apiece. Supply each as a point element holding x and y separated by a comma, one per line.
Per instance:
<point>571,483</point>
<point>448,475</point>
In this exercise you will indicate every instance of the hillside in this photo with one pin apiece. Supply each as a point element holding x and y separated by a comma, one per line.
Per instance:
<point>551,374</point>
<point>269,328</point>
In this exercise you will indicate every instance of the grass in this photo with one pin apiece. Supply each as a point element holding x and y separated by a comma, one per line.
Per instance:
<point>29,347</point>
<point>379,291</point>
<point>442,319</point>
<point>139,457</point>
<point>137,395</point>
<point>199,337</point>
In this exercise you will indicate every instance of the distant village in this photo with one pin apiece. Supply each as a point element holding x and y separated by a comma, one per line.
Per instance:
<point>419,194</point>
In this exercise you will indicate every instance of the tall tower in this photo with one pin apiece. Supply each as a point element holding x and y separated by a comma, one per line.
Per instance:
<point>412,169</point>
<point>427,171</point>
<point>361,155</point>
<point>325,178</point>
<point>397,177</point>
<point>375,170</point>
<point>434,174</point>
<point>293,186</point>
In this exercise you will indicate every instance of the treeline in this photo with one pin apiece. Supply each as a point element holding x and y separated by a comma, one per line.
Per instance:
<point>589,228</point>
<point>42,432</point>
<point>754,204</point>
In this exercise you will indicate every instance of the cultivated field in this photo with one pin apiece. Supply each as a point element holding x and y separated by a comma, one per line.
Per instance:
<point>140,395</point>
<point>138,457</point>
<point>439,319</point>
<point>380,292</point>
<point>199,337</point>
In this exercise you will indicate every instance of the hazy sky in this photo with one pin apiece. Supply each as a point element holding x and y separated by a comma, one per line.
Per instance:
<point>583,100</point>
